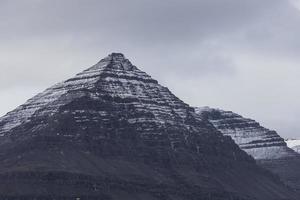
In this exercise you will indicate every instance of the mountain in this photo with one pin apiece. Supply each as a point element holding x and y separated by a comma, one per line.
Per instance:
<point>266,146</point>
<point>112,132</point>
<point>293,144</point>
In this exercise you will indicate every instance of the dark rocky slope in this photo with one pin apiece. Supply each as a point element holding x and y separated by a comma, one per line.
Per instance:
<point>112,132</point>
<point>266,146</point>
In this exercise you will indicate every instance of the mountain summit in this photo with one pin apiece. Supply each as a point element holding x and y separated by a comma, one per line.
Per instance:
<point>112,132</point>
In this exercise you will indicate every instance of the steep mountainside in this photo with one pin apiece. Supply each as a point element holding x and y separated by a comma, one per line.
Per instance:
<point>266,146</point>
<point>112,132</point>
<point>293,144</point>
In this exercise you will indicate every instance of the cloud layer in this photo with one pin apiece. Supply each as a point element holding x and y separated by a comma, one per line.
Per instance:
<point>236,55</point>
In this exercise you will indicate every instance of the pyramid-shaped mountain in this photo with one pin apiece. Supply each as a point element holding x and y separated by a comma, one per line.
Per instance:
<point>265,145</point>
<point>112,132</point>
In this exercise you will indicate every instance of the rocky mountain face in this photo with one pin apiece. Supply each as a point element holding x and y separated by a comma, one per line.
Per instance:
<point>266,146</point>
<point>112,132</point>
<point>293,144</point>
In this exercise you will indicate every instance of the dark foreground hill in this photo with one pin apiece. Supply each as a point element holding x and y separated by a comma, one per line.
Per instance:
<point>112,132</point>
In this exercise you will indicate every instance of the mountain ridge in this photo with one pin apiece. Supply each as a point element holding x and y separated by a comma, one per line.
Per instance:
<point>266,146</point>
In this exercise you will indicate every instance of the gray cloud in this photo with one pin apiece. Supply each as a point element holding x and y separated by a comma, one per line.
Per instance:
<point>238,55</point>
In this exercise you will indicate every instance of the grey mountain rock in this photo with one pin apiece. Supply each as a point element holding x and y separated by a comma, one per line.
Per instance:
<point>266,146</point>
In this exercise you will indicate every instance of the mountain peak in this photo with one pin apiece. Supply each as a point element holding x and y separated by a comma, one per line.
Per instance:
<point>116,58</point>
<point>116,55</point>
<point>114,61</point>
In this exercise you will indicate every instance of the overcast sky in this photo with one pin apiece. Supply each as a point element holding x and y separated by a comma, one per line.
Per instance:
<point>231,54</point>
